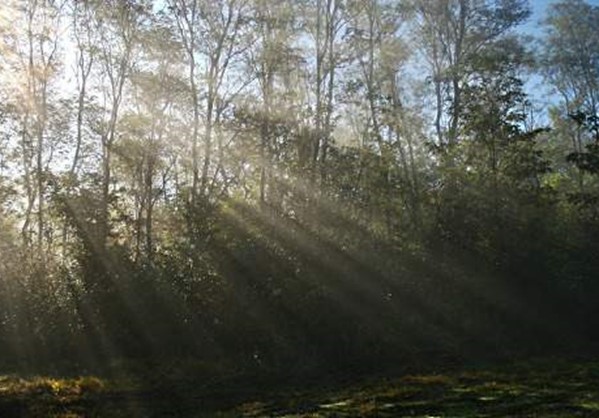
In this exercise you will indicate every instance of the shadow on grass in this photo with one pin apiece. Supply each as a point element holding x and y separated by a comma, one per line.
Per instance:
<point>548,389</point>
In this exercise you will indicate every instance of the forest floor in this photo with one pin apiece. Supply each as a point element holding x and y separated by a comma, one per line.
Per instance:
<point>533,389</point>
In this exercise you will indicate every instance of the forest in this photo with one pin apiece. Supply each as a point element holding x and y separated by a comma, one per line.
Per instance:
<point>244,191</point>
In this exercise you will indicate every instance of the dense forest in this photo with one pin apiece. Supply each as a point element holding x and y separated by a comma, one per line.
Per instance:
<point>294,188</point>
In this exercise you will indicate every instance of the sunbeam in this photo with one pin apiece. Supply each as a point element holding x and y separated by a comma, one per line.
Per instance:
<point>280,208</point>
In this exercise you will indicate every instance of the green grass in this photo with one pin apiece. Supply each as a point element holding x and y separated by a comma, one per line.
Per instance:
<point>547,389</point>
<point>534,389</point>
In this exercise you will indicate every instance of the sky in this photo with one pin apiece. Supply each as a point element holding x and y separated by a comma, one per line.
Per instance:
<point>539,7</point>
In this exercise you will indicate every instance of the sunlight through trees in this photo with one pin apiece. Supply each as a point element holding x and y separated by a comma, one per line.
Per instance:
<point>295,186</point>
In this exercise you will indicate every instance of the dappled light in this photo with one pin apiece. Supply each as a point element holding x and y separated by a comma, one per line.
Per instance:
<point>320,208</point>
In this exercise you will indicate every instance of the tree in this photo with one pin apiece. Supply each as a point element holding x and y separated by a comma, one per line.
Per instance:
<point>570,56</point>
<point>35,61</point>
<point>450,34</point>
<point>119,25</point>
<point>157,92</point>
<point>381,55</point>
<point>326,27</point>
<point>272,63</point>
<point>82,25</point>
<point>570,63</point>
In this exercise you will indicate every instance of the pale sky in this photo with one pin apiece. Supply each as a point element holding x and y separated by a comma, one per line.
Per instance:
<point>540,6</point>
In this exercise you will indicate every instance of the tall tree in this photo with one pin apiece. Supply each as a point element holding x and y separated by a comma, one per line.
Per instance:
<point>271,62</point>
<point>157,90</point>
<point>326,28</point>
<point>36,64</point>
<point>570,54</point>
<point>570,63</point>
<point>452,32</point>
<point>187,16</point>
<point>119,25</point>
<point>82,25</point>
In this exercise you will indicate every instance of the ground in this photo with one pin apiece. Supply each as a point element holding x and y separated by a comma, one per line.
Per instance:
<point>531,389</point>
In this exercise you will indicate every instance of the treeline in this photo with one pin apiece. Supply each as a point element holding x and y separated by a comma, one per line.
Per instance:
<point>296,186</point>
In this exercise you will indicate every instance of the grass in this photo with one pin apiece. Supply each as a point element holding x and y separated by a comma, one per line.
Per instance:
<point>547,389</point>
<point>533,389</point>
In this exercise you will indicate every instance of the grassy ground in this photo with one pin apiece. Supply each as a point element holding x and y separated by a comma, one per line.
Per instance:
<point>543,389</point>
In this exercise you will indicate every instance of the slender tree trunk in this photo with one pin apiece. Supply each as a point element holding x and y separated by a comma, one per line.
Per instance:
<point>319,79</point>
<point>208,133</point>
<point>331,28</point>
<point>265,151</point>
<point>40,189</point>
<point>438,108</point>
<point>26,153</point>
<point>80,112</point>
<point>456,70</point>
<point>195,132</point>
